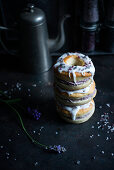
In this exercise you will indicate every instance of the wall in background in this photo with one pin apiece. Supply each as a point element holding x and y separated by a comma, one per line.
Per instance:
<point>9,12</point>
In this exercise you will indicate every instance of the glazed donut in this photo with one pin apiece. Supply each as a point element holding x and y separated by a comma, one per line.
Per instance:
<point>71,85</point>
<point>77,97</point>
<point>77,114</point>
<point>76,93</point>
<point>74,71</point>
<point>76,102</point>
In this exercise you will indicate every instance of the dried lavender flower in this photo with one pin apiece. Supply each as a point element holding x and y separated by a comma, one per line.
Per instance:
<point>56,148</point>
<point>34,112</point>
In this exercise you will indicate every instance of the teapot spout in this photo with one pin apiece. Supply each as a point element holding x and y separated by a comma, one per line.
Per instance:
<point>58,42</point>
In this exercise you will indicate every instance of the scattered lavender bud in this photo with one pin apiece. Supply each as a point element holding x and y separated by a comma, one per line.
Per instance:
<point>5,83</point>
<point>112,129</point>
<point>97,145</point>
<point>18,85</point>
<point>102,152</point>
<point>99,126</point>
<point>7,153</point>
<point>34,85</point>
<point>93,157</point>
<point>15,159</point>
<point>109,127</point>
<point>98,123</point>
<point>5,92</point>
<point>29,95</point>
<point>92,127</point>
<point>56,133</point>
<point>1,146</point>
<point>34,131</point>
<point>56,148</point>
<point>108,104</point>
<point>112,154</point>
<point>9,140</point>
<point>36,163</point>
<point>98,135</point>
<point>107,138</point>
<point>78,162</point>
<point>91,136</point>
<point>100,107</point>
<point>28,89</point>
<point>42,127</point>
<point>7,157</point>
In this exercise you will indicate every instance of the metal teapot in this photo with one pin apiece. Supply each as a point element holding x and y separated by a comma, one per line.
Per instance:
<point>35,46</point>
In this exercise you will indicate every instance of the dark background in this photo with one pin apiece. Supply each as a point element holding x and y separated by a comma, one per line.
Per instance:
<point>82,142</point>
<point>10,10</point>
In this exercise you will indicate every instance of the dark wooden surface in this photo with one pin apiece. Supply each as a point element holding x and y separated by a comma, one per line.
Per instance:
<point>85,142</point>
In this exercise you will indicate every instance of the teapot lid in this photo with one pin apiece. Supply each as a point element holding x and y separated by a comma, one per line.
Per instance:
<point>32,15</point>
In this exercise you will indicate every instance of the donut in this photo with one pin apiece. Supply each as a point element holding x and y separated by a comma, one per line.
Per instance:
<point>69,85</point>
<point>76,93</point>
<point>76,102</point>
<point>75,68</point>
<point>77,97</point>
<point>77,114</point>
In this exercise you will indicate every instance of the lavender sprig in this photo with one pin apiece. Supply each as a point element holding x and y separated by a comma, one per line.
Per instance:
<point>55,148</point>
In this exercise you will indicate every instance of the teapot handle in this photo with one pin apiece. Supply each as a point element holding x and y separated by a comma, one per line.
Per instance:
<point>2,43</point>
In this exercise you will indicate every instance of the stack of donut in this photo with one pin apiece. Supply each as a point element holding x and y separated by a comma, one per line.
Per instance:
<point>74,87</point>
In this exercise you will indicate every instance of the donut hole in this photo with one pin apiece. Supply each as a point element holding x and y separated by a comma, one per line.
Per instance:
<point>74,61</point>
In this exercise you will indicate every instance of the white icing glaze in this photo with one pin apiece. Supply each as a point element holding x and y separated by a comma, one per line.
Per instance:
<point>62,66</point>
<point>74,110</point>
<point>84,90</point>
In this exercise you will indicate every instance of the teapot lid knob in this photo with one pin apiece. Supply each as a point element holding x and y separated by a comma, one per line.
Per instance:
<point>30,7</point>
